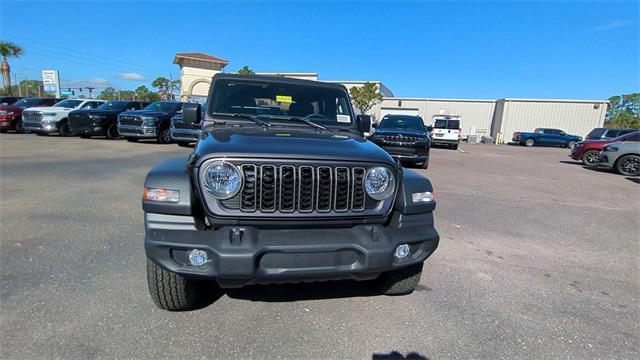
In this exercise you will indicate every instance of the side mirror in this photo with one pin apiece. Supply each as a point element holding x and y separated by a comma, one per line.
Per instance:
<point>429,128</point>
<point>374,125</point>
<point>364,123</point>
<point>191,113</point>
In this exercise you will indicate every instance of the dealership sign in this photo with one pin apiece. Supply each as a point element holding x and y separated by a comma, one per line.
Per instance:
<point>51,81</point>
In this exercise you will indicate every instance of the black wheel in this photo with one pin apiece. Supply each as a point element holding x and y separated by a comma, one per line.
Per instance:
<point>628,165</point>
<point>454,146</point>
<point>20,127</point>
<point>400,282</point>
<point>169,290</point>
<point>571,144</point>
<point>530,142</point>
<point>2,131</point>
<point>64,130</point>
<point>164,136</point>
<point>112,132</point>
<point>183,143</point>
<point>591,157</point>
<point>130,139</point>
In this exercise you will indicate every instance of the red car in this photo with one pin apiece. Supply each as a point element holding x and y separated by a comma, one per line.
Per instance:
<point>11,115</point>
<point>589,151</point>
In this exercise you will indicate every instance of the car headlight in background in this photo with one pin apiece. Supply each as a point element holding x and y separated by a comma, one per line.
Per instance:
<point>379,183</point>
<point>610,148</point>
<point>222,180</point>
<point>6,112</point>
<point>149,120</point>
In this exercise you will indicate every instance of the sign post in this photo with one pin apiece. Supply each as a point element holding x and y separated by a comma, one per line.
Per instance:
<point>51,81</point>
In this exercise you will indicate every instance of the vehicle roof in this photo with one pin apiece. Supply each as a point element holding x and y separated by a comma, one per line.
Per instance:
<point>401,116</point>
<point>278,79</point>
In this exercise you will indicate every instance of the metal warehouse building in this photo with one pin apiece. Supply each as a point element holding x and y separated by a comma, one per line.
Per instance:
<point>501,118</point>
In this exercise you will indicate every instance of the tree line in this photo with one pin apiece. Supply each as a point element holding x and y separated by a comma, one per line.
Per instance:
<point>624,111</point>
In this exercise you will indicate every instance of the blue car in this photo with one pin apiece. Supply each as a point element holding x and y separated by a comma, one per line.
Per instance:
<point>546,136</point>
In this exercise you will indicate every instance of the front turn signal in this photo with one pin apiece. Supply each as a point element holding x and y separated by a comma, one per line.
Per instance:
<point>161,195</point>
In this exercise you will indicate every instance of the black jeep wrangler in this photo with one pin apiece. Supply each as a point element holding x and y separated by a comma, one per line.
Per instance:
<point>282,187</point>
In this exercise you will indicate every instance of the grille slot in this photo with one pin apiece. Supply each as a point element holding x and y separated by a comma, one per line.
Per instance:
<point>342,183</point>
<point>305,185</point>
<point>268,188</point>
<point>357,199</point>
<point>248,196</point>
<point>287,188</point>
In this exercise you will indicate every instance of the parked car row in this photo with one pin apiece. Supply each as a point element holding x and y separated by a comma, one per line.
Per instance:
<point>621,154</point>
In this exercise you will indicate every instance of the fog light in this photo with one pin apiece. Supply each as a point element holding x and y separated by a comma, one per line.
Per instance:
<point>197,257</point>
<point>402,251</point>
<point>422,197</point>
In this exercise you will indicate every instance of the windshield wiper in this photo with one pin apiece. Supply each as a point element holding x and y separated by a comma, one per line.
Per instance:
<point>310,123</point>
<point>245,116</point>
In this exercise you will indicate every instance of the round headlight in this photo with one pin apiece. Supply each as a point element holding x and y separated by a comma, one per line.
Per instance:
<point>222,180</point>
<point>379,183</point>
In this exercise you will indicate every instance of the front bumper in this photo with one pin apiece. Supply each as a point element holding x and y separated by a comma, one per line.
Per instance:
<point>87,129</point>
<point>41,127</point>
<point>137,131</point>
<point>185,134</point>
<point>438,141</point>
<point>241,255</point>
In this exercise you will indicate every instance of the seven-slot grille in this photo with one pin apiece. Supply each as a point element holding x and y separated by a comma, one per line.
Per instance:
<point>401,138</point>
<point>302,188</point>
<point>31,116</point>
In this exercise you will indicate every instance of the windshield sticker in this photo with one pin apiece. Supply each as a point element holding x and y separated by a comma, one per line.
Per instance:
<point>343,118</point>
<point>284,99</point>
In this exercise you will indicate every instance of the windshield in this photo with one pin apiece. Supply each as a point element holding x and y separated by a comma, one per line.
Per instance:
<point>404,122</point>
<point>164,106</point>
<point>26,102</point>
<point>113,105</point>
<point>596,133</point>
<point>322,105</point>
<point>68,103</point>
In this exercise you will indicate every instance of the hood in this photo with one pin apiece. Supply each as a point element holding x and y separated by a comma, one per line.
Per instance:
<point>399,131</point>
<point>287,143</point>
<point>11,108</point>
<point>145,113</point>
<point>96,112</point>
<point>49,109</point>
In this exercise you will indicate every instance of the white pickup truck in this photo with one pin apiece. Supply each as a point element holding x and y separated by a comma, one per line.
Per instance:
<point>447,130</point>
<point>53,119</point>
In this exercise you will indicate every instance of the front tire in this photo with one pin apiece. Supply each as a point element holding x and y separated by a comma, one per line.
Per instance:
<point>64,130</point>
<point>423,165</point>
<point>454,146</point>
<point>628,165</point>
<point>169,290</point>
<point>112,132</point>
<point>164,136</point>
<point>571,144</point>
<point>20,127</point>
<point>183,143</point>
<point>400,282</point>
<point>529,142</point>
<point>591,157</point>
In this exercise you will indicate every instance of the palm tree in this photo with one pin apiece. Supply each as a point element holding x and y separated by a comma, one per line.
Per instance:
<point>8,49</point>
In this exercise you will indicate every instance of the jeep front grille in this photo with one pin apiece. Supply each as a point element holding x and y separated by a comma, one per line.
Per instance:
<point>299,188</point>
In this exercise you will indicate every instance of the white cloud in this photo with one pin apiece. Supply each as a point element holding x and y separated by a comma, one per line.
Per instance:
<point>78,83</point>
<point>130,76</point>
<point>614,25</point>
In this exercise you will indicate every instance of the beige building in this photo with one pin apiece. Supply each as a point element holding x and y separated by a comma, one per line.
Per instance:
<point>196,71</point>
<point>501,118</point>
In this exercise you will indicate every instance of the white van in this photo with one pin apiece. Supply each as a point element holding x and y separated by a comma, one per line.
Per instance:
<point>446,130</point>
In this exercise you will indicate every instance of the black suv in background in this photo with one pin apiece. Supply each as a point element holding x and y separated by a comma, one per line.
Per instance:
<point>151,122</point>
<point>102,121</point>
<point>405,138</point>
<point>183,132</point>
<point>607,134</point>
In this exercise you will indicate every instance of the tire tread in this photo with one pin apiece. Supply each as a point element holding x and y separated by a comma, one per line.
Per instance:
<point>169,290</point>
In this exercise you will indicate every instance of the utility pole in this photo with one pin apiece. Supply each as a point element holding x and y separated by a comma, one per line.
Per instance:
<point>90,91</point>
<point>15,80</point>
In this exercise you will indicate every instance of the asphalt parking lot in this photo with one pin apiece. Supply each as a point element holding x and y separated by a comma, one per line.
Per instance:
<point>539,258</point>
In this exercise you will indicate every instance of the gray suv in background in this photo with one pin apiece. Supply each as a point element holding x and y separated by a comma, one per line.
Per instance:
<point>606,134</point>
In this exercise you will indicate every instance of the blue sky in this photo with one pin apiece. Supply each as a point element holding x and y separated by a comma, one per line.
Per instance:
<point>420,49</point>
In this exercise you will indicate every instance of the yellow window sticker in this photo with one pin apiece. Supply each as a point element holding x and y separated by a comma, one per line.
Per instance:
<point>284,99</point>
